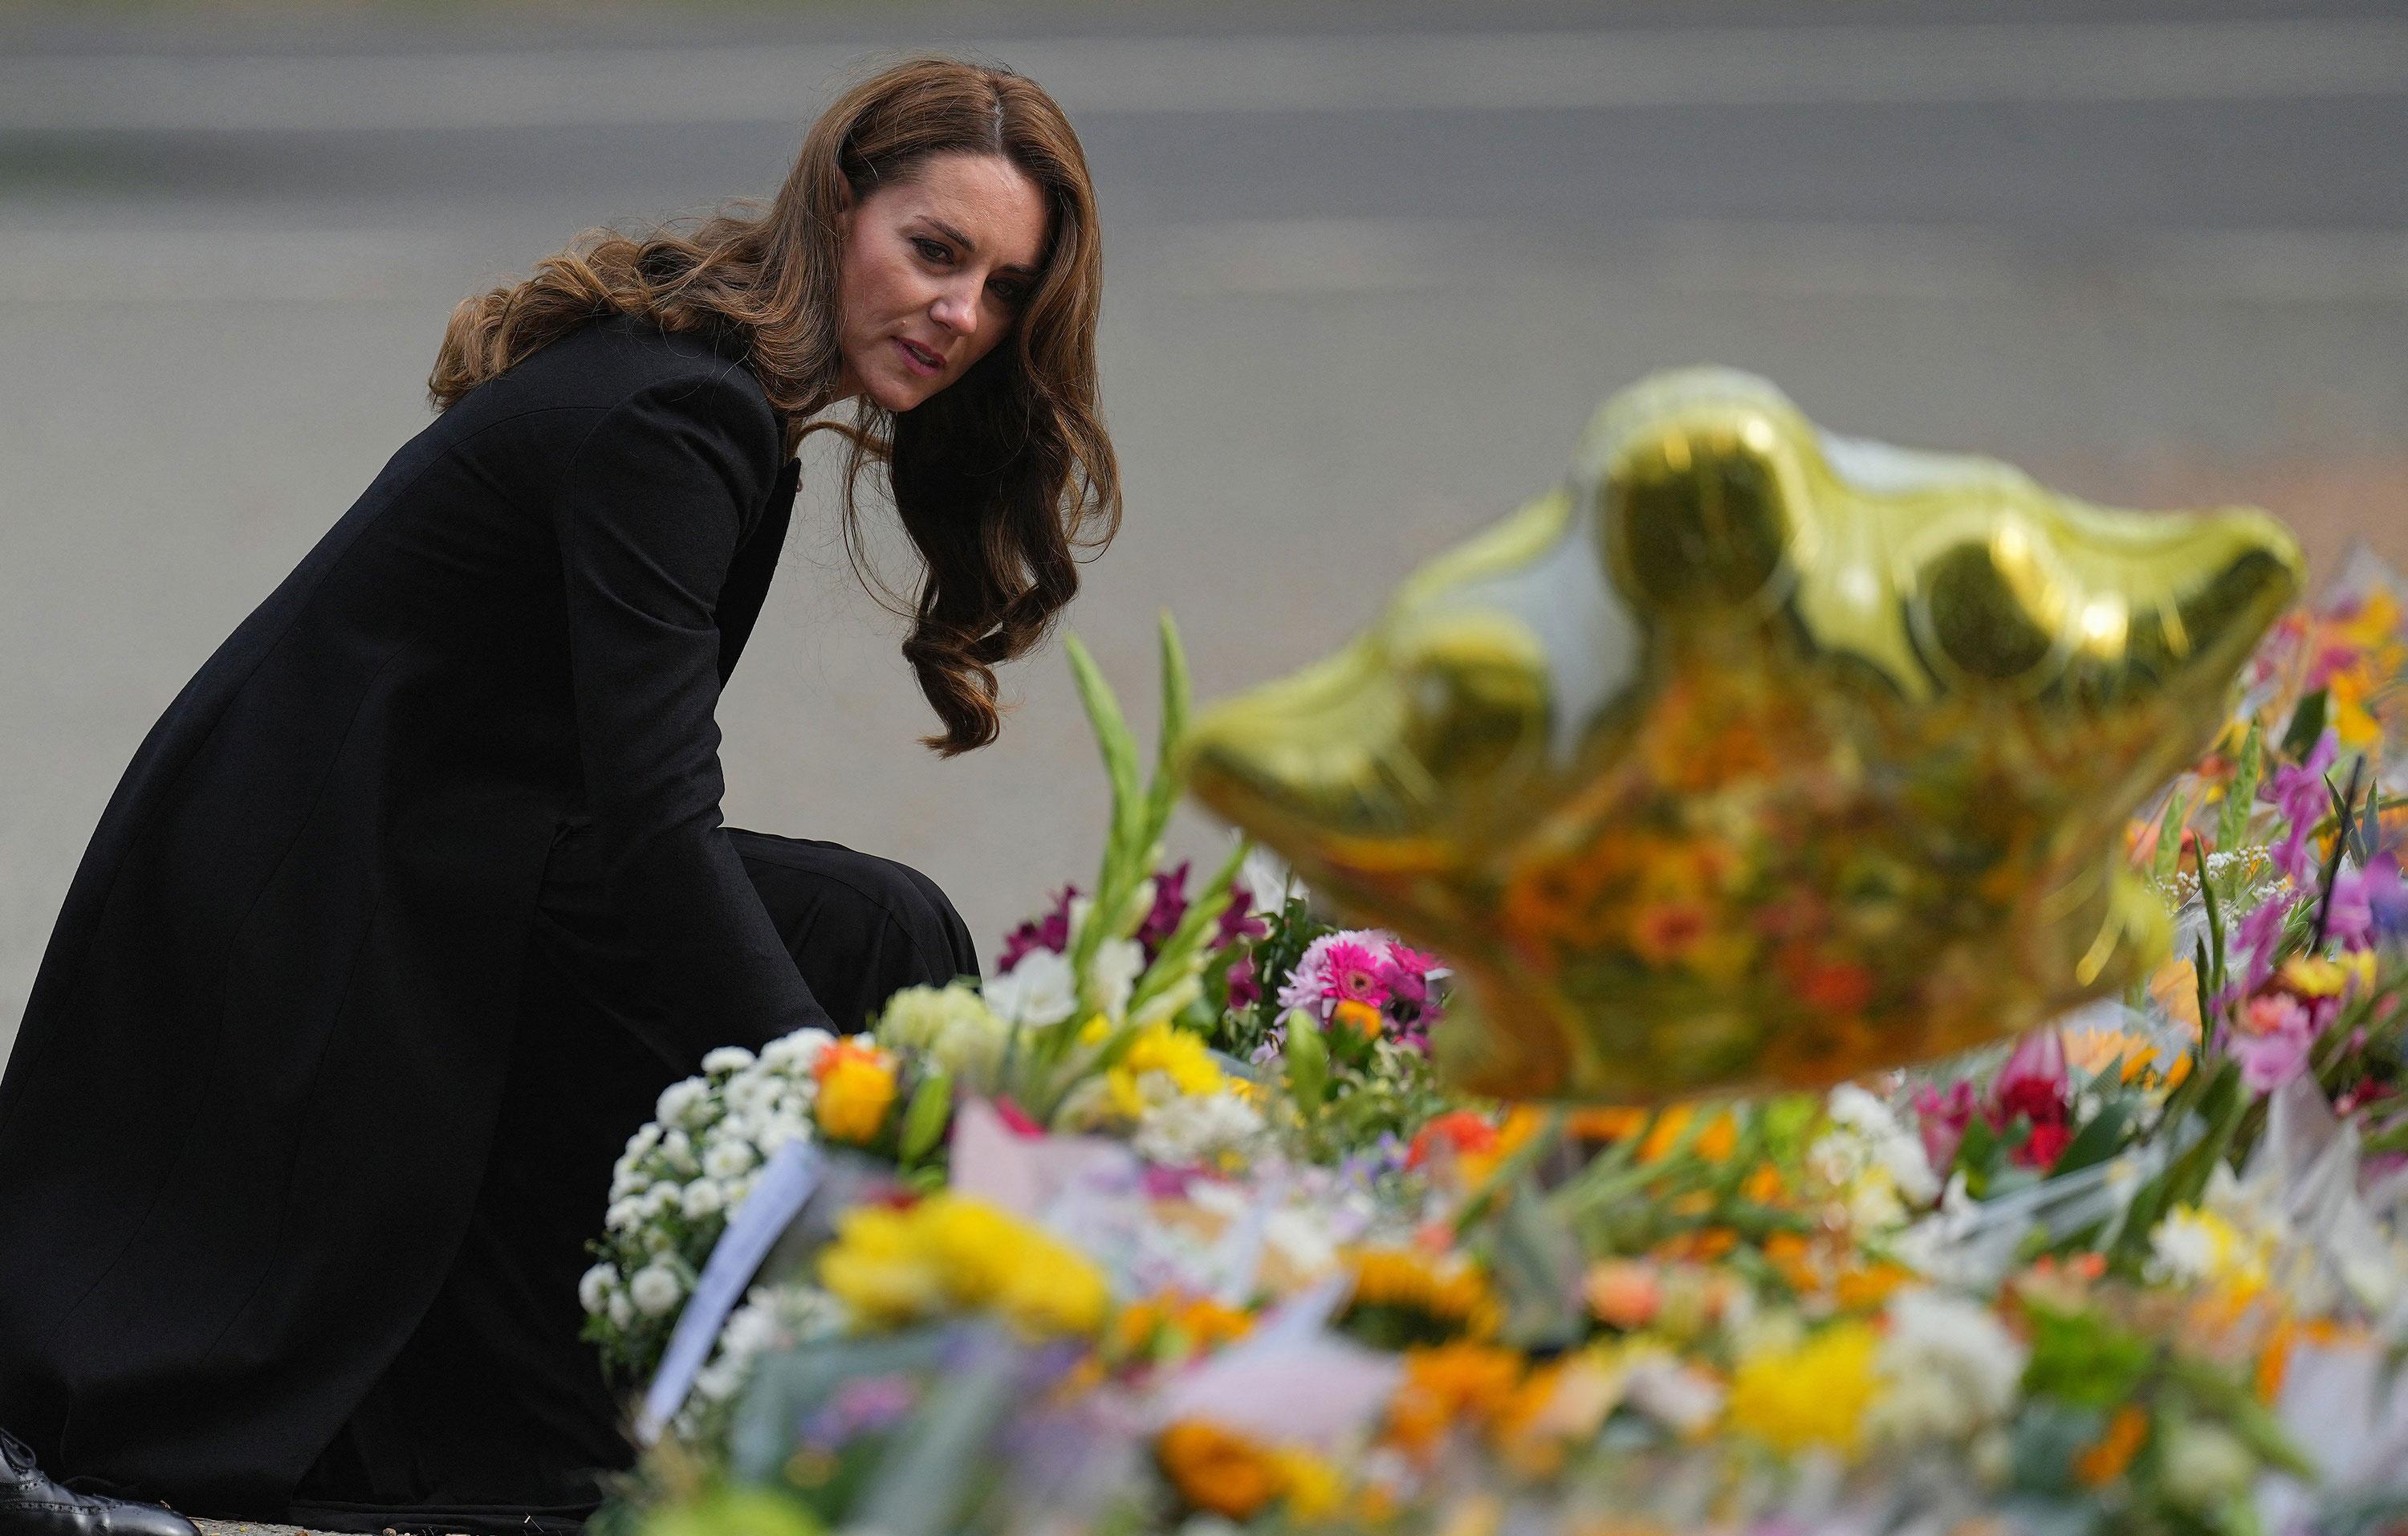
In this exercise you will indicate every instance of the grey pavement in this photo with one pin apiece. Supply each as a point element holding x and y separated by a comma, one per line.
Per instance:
<point>1369,270</point>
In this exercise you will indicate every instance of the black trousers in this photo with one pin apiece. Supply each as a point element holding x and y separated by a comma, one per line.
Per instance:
<point>495,1415</point>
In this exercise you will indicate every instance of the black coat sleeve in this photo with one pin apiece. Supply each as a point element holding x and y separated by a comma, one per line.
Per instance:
<point>651,514</point>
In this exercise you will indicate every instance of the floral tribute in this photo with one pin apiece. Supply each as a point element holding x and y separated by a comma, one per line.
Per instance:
<point>1171,1227</point>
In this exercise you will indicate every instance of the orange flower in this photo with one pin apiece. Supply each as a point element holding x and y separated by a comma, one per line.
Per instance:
<point>1216,1470</point>
<point>2127,1431</point>
<point>1447,1383</point>
<point>1623,1294</point>
<point>1461,1131</point>
<point>1361,1017</point>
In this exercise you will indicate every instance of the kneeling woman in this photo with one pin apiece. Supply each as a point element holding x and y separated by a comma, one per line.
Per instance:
<point>418,895</point>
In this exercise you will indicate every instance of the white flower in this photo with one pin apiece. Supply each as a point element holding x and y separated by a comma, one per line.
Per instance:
<point>1301,1241</point>
<point>1949,1368</point>
<point>1198,1131</point>
<point>677,1150</point>
<point>656,1290</point>
<point>1669,1392</point>
<point>727,1058</point>
<point>780,1130</point>
<point>1267,882</point>
<point>728,1160</point>
<point>680,1099</point>
<point>2205,1467</point>
<point>595,1287</point>
<point>624,1213</point>
<point>622,1311</point>
<point>703,1197</point>
<point>952,1026</point>
<point>1039,991</point>
<point>1113,972</point>
<point>796,1054</point>
<point>647,1137</point>
<point>627,1182</point>
<point>662,1198</point>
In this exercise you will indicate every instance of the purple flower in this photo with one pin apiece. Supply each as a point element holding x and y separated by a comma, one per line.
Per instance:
<point>2299,793</point>
<point>1244,990</point>
<point>2349,917</point>
<point>2260,933</point>
<point>1169,906</point>
<point>1239,919</point>
<point>1052,931</point>
<point>2387,896</point>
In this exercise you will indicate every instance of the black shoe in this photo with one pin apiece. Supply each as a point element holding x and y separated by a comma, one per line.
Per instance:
<point>33,1506</point>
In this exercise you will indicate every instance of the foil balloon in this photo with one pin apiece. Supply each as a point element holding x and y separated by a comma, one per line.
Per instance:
<point>1756,756</point>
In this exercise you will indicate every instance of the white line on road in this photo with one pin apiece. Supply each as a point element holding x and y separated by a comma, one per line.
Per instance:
<point>166,263</point>
<point>1803,65</point>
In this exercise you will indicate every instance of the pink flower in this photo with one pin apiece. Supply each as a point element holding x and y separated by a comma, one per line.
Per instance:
<point>1407,973</point>
<point>1310,984</point>
<point>2268,1061</point>
<point>2033,1085</point>
<point>1351,974</point>
<point>1941,1119</point>
<point>1169,906</point>
<point>2271,1044</point>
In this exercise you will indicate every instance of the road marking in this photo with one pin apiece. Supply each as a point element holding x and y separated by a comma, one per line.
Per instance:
<point>1754,66</point>
<point>1320,256</point>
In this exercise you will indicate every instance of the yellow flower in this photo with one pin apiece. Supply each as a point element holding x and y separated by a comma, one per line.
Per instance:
<point>856,1089</point>
<point>2313,976</point>
<point>1226,1474</point>
<point>1451,1291</point>
<point>1814,1394</point>
<point>1158,1051</point>
<point>947,1253</point>
<point>1310,1486</point>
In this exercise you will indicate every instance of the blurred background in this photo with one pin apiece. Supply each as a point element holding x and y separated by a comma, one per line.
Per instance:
<point>1370,268</point>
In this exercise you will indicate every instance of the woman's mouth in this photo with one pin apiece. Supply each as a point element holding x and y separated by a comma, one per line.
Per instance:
<point>920,359</point>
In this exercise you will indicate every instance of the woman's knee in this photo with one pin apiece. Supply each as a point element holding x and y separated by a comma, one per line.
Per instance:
<point>838,908</point>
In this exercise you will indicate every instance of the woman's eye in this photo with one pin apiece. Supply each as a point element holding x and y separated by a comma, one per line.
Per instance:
<point>936,250</point>
<point>1011,293</point>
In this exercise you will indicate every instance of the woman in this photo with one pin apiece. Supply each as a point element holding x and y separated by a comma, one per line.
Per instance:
<point>418,895</point>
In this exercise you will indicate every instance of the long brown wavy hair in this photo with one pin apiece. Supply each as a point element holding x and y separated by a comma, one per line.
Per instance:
<point>1001,478</point>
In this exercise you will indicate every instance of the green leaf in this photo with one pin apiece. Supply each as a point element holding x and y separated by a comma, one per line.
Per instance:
<point>2241,794</point>
<point>1118,876</point>
<point>2169,831</point>
<point>1307,1059</point>
<point>1176,692</point>
<point>2214,918</point>
<point>925,1118</point>
<point>2307,726</point>
<point>1178,954</point>
<point>2098,1141</point>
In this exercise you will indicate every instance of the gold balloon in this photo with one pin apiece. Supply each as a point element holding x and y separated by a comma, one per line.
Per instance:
<point>1756,756</point>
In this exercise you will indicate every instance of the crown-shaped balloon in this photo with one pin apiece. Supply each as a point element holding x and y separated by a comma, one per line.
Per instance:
<point>1754,755</point>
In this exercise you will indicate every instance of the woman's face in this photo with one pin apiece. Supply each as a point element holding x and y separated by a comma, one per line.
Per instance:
<point>935,271</point>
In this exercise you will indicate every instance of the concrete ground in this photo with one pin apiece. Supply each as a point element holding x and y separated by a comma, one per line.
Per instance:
<point>1370,270</point>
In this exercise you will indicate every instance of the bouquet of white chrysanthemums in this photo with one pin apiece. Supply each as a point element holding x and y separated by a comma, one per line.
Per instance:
<point>679,1177</point>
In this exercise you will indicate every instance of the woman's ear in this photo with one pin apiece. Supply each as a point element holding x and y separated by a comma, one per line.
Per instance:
<point>845,203</point>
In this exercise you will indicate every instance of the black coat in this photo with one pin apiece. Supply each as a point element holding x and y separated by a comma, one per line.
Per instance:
<point>258,1077</point>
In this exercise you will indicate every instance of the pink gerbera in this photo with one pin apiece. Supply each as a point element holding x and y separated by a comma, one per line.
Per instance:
<point>1351,974</point>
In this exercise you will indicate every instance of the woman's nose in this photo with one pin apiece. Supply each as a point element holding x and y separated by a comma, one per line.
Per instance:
<point>955,309</point>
